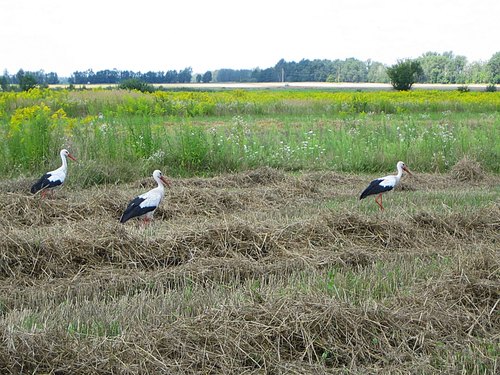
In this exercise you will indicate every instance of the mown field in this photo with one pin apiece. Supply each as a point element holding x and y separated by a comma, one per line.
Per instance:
<point>261,259</point>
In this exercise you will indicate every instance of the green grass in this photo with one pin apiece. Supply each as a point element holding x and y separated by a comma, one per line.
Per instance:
<point>459,200</point>
<point>93,328</point>
<point>368,143</point>
<point>210,133</point>
<point>383,280</point>
<point>478,357</point>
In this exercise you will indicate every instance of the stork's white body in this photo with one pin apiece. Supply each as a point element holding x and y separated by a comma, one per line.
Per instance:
<point>53,178</point>
<point>384,184</point>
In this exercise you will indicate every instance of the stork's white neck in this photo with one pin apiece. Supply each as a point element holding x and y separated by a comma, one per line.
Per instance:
<point>64,165</point>
<point>159,182</point>
<point>400,172</point>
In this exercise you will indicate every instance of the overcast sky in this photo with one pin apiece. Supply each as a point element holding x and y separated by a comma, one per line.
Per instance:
<point>64,36</point>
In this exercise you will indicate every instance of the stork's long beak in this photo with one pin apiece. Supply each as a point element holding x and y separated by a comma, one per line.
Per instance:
<point>165,181</point>
<point>407,171</point>
<point>71,157</point>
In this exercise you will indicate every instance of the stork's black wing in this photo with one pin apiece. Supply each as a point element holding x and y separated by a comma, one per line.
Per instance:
<point>375,188</point>
<point>134,209</point>
<point>44,182</point>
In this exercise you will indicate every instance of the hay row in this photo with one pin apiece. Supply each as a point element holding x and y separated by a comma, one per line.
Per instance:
<point>264,337</point>
<point>62,250</point>
<point>24,211</point>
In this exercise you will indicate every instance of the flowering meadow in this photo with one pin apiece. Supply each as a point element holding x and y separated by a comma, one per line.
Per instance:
<point>120,135</point>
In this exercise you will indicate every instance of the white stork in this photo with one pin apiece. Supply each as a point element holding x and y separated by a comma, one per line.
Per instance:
<point>146,204</point>
<point>54,178</point>
<point>387,183</point>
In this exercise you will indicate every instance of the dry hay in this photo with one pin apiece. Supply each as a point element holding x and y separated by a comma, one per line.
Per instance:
<point>264,176</point>
<point>257,190</point>
<point>467,169</point>
<point>459,225</point>
<point>18,185</point>
<point>88,282</point>
<point>261,176</point>
<point>62,249</point>
<point>29,210</point>
<point>67,260</point>
<point>189,201</point>
<point>262,337</point>
<point>57,237</point>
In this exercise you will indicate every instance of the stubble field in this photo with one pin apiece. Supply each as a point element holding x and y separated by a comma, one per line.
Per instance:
<point>253,272</point>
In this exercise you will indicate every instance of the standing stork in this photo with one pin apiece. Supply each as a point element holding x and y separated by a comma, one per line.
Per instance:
<point>54,178</point>
<point>146,204</point>
<point>387,183</point>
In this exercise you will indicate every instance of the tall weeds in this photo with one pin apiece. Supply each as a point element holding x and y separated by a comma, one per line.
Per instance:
<point>212,132</point>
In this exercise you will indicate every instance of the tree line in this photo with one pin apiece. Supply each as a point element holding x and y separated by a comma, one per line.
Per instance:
<point>116,76</point>
<point>436,68</point>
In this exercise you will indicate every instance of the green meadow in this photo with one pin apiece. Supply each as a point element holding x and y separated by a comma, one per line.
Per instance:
<point>206,133</point>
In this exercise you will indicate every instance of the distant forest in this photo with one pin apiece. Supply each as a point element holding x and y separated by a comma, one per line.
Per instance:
<point>437,68</point>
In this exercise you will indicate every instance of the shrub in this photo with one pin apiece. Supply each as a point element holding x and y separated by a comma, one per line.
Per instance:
<point>27,82</point>
<point>404,74</point>
<point>136,84</point>
<point>463,88</point>
<point>491,88</point>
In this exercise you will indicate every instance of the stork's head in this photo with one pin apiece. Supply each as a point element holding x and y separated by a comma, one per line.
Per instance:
<point>158,176</point>
<point>65,153</point>
<point>402,166</point>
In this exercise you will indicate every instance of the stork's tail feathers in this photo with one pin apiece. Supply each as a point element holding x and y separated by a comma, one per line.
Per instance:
<point>34,189</point>
<point>124,218</point>
<point>37,186</point>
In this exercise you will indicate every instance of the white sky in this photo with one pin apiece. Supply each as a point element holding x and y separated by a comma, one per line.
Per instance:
<point>64,36</point>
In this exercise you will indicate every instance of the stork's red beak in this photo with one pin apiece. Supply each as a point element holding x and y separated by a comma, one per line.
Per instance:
<point>407,170</point>
<point>71,157</point>
<point>165,181</point>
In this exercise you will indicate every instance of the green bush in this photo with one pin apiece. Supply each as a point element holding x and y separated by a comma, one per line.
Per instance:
<point>491,88</point>
<point>404,74</point>
<point>136,84</point>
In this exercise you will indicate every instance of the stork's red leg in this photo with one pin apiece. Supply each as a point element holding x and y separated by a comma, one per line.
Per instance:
<point>379,203</point>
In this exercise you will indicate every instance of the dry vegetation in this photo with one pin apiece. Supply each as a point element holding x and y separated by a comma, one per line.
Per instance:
<point>257,272</point>
<point>467,169</point>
